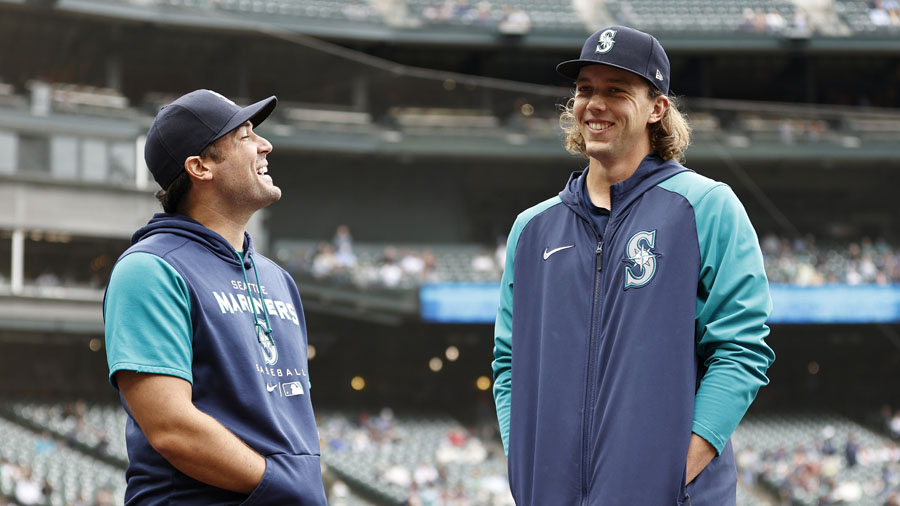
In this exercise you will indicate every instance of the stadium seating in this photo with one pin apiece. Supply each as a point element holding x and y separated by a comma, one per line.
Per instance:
<point>544,15</point>
<point>790,455</point>
<point>388,459</point>
<point>329,10</point>
<point>865,20</point>
<point>330,119</point>
<point>384,456</point>
<point>71,473</point>
<point>94,426</point>
<point>787,261</point>
<point>452,263</point>
<point>736,19</point>
<point>660,16</point>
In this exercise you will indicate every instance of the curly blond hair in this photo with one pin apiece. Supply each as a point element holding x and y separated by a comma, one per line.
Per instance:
<point>669,137</point>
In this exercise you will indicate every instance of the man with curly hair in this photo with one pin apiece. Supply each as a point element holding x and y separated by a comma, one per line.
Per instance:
<point>630,338</point>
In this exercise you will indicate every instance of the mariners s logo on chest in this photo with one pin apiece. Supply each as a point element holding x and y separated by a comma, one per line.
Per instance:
<point>640,259</point>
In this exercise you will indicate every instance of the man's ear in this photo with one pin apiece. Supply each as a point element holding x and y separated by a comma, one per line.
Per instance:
<point>660,106</point>
<point>197,168</point>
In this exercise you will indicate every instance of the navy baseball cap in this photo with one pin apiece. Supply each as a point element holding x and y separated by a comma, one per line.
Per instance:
<point>625,48</point>
<point>189,124</point>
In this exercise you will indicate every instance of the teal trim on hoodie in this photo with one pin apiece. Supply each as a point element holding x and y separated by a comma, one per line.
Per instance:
<point>148,322</point>
<point>733,305</point>
<point>502,365</point>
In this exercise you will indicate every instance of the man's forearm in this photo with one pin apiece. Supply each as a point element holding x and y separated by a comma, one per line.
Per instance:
<point>700,454</point>
<point>208,452</point>
<point>195,443</point>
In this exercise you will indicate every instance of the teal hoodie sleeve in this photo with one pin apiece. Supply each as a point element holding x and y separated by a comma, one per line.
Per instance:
<point>147,319</point>
<point>733,304</point>
<point>502,365</point>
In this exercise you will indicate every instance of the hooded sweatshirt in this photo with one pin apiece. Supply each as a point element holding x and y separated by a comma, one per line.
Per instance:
<point>182,302</point>
<point>611,349</point>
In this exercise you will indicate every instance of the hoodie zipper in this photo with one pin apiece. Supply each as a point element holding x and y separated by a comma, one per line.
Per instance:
<point>592,352</point>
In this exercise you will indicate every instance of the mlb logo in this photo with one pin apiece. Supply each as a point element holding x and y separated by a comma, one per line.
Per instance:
<point>291,389</point>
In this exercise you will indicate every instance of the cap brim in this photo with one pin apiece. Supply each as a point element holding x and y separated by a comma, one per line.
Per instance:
<point>254,113</point>
<point>571,68</point>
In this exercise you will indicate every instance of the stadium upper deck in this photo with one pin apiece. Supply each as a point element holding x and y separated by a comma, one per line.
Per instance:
<point>697,23</point>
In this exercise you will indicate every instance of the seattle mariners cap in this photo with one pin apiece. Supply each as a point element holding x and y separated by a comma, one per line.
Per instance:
<point>625,48</point>
<point>189,124</point>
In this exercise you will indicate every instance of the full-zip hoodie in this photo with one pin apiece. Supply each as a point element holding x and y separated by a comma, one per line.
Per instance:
<point>255,383</point>
<point>610,352</point>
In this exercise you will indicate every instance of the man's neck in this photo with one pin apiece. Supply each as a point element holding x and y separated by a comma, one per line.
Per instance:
<point>602,175</point>
<point>230,227</point>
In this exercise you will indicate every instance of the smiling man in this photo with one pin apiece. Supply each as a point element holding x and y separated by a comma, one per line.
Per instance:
<point>630,338</point>
<point>206,339</point>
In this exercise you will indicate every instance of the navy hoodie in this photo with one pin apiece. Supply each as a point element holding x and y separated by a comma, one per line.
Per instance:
<point>609,352</point>
<point>255,386</point>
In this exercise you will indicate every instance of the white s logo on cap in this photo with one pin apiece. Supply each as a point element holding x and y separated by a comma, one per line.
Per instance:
<point>606,41</point>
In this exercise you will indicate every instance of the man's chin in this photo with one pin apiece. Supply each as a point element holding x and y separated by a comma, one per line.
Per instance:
<point>597,151</point>
<point>271,196</point>
<point>275,195</point>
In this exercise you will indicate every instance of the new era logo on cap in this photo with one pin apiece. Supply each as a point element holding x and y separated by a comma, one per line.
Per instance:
<point>627,49</point>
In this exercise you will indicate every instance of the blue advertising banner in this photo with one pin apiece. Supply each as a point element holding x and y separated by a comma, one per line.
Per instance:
<point>478,302</point>
<point>459,302</point>
<point>835,304</point>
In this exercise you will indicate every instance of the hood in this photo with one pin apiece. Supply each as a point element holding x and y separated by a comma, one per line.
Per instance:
<point>651,171</point>
<point>189,228</point>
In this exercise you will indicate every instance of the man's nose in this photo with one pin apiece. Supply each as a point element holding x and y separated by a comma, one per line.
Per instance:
<point>264,145</point>
<point>597,101</point>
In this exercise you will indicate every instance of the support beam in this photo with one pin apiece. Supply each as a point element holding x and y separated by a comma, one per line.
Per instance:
<point>17,269</point>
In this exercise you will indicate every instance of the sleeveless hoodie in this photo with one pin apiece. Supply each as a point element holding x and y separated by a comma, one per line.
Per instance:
<point>255,384</point>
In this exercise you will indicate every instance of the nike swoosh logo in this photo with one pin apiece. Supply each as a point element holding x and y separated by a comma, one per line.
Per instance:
<point>271,388</point>
<point>548,253</point>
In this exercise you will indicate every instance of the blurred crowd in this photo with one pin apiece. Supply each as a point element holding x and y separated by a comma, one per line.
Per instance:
<point>803,261</point>
<point>337,261</point>
<point>27,490</point>
<point>823,473</point>
<point>758,20</point>
<point>884,12</point>
<point>794,131</point>
<point>773,22</point>
<point>467,467</point>
<point>81,431</point>
<point>506,19</point>
<point>428,482</point>
<point>890,422</point>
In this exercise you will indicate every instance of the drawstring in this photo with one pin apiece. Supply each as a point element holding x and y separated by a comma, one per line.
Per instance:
<point>259,288</point>
<point>268,329</point>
